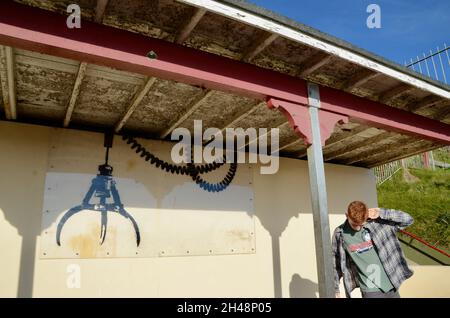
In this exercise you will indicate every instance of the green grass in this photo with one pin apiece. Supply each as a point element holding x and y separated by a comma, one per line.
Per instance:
<point>442,155</point>
<point>427,200</point>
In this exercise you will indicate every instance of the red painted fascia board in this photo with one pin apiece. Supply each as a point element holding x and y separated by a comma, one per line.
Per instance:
<point>46,32</point>
<point>383,116</point>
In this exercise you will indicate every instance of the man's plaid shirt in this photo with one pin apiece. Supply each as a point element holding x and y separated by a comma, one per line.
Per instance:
<point>383,233</point>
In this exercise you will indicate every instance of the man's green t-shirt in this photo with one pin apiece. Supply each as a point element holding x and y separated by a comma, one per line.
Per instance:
<point>371,274</point>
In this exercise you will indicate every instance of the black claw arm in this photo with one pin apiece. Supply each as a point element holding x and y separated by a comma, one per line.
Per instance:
<point>104,224</point>
<point>67,216</point>
<point>124,213</point>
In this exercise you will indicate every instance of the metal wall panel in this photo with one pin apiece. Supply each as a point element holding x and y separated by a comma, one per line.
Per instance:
<point>174,216</point>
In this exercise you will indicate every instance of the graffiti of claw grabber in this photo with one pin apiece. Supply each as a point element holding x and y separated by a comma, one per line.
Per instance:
<point>103,187</point>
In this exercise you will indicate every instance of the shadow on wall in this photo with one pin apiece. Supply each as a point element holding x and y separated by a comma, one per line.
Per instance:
<point>22,193</point>
<point>289,197</point>
<point>302,288</point>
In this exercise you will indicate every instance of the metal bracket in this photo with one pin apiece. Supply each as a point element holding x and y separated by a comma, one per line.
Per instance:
<point>298,117</point>
<point>108,140</point>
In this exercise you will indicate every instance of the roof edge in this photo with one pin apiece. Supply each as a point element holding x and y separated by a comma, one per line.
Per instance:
<point>298,26</point>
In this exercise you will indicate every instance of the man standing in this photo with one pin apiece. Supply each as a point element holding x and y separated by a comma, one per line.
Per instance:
<point>367,253</point>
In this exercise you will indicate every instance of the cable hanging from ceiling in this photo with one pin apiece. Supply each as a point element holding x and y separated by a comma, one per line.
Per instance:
<point>190,169</point>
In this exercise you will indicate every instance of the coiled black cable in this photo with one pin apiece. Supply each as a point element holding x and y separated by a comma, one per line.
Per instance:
<point>190,169</point>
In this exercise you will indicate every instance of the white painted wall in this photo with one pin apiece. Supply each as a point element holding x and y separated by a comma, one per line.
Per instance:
<point>282,265</point>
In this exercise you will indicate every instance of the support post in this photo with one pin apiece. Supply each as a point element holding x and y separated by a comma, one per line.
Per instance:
<point>426,160</point>
<point>319,199</point>
<point>433,165</point>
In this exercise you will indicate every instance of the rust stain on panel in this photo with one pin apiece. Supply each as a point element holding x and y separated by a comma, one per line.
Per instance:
<point>87,245</point>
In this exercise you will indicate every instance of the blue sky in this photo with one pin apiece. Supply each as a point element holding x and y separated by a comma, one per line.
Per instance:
<point>408,27</point>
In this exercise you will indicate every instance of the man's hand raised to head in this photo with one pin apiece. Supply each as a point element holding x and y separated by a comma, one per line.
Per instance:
<point>374,213</point>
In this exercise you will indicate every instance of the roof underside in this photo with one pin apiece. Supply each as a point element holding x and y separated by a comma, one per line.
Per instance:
<point>45,85</point>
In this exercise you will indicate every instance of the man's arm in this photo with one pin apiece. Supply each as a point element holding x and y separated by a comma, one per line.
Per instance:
<point>336,264</point>
<point>399,219</point>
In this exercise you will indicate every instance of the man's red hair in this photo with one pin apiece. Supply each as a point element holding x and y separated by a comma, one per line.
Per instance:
<point>357,211</point>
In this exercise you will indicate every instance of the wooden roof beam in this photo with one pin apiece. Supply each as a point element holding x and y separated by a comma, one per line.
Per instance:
<point>359,79</point>
<point>267,133</point>
<point>313,63</point>
<point>187,29</point>
<point>334,139</point>
<point>353,146</point>
<point>138,97</point>
<point>394,92</point>
<point>424,102</point>
<point>244,115</point>
<point>100,10</point>
<point>258,46</point>
<point>298,141</point>
<point>337,138</point>
<point>421,147</point>
<point>195,104</point>
<point>75,93</point>
<point>8,81</point>
<point>378,151</point>
<point>344,135</point>
<point>239,118</point>
<point>441,114</point>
